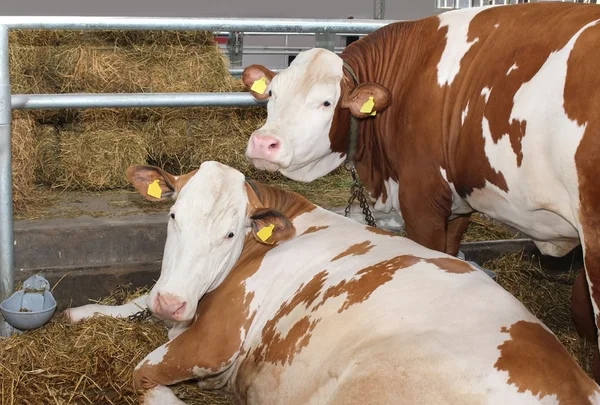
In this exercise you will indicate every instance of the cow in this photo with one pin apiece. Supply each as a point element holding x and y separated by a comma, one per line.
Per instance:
<point>280,301</point>
<point>487,109</point>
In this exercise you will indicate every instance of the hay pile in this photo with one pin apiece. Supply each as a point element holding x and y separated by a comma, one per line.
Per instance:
<point>88,363</point>
<point>89,150</point>
<point>23,160</point>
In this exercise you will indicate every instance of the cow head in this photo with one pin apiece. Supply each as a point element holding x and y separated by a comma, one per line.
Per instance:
<point>207,228</point>
<point>296,138</point>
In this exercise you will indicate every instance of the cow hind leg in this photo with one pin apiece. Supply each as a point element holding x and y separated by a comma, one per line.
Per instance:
<point>583,317</point>
<point>590,239</point>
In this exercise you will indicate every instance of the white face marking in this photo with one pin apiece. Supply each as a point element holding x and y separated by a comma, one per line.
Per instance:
<point>465,113</point>
<point>299,119</point>
<point>457,43</point>
<point>513,67</point>
<point>199,251</point>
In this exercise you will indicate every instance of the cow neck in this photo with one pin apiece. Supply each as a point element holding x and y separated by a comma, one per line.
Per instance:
<point>289,203</point>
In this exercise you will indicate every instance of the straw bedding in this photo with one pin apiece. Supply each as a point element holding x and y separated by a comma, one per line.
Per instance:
<point>92,362</point>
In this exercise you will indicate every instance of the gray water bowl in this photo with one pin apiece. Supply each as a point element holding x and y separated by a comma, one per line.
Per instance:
<point>30,307</point>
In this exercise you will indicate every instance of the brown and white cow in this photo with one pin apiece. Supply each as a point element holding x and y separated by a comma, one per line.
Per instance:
<point>288,303</point>
<point>492,109</point>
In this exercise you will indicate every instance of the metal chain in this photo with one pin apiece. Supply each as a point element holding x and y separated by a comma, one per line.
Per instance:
<point>140,315</point>
<point>357,192</point>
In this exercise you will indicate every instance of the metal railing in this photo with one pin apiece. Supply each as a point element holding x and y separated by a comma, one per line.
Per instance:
<point>125,100</point>
<point>454,4</point>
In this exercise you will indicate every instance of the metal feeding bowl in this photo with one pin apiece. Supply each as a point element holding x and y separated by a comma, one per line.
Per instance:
<point>30,307</point>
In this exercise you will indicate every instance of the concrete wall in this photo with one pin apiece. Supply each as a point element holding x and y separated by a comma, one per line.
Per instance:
<point>394,10</point>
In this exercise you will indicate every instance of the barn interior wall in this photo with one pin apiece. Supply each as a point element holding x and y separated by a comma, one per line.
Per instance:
<point>394,10</point>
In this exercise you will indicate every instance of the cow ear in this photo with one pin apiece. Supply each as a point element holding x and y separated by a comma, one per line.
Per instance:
<point>151,182</point>
<point>257,78</point>
<point>271,227</point>
<point>367,99</point>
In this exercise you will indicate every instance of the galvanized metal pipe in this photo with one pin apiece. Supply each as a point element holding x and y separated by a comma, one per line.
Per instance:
<point>346,26</point>
<point>132,100</point>
<point>239,71</point>
<point>7,260</point>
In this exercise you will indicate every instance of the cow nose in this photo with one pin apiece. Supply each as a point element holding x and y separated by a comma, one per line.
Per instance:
<point>263,146</point>
<point>168,305</point>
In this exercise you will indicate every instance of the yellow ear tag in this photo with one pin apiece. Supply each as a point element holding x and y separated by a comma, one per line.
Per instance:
<point>265,232</point>
<point>367,107</point>
<point>154,189</point>
<point>373,113</point>
<point>259,86</point>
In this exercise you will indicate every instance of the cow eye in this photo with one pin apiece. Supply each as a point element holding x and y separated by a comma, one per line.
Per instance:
<point>270,93</point>
<point>326,103</point>
<point>230,235</point>
<point>172,215</point>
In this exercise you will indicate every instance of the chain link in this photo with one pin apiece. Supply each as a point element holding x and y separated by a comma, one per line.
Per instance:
<point>140,315</point>
<point>357,193</point>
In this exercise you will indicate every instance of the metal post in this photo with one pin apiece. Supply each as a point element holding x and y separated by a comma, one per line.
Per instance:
<point>326,41</point>
<point>7,263</point>
<point>235,46</point>
<point>379,9</point>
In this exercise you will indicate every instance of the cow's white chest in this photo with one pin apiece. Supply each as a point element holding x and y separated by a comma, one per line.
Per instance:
<point>391,201</point>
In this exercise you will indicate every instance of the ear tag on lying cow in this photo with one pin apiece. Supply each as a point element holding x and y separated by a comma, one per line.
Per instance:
<point>265,233</point>
<point>154,189</point>
<point>259,86</point>
<point>367,107</point>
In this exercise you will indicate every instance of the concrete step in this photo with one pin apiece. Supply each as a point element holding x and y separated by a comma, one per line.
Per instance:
<point>79,285</point>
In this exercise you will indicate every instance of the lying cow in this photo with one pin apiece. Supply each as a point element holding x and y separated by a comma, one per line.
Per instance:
<point>490,109</point>
<point>292,304</point>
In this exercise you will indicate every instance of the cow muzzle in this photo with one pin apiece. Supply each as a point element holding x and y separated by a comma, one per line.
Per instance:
<point>169,306</point>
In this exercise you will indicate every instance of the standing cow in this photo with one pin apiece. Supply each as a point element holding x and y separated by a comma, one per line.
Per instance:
<point>488,109</point>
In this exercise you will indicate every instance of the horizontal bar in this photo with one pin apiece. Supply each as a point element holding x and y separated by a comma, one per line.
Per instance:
<point>132,100</point>
<point>239,71</point>
<point>276,52</point>
<point>193,24</point>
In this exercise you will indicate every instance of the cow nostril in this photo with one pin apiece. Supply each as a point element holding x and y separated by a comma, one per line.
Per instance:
<point>274,145</point>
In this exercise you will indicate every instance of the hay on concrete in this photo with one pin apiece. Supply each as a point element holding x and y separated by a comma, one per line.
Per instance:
<point>88,363</point>
<point>547,297</point>
<point>23,160</point>
<point>97,160</point>
<point>127,61</point>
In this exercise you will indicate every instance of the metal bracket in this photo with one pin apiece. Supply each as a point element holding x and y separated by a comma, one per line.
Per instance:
<point>235,47</point>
